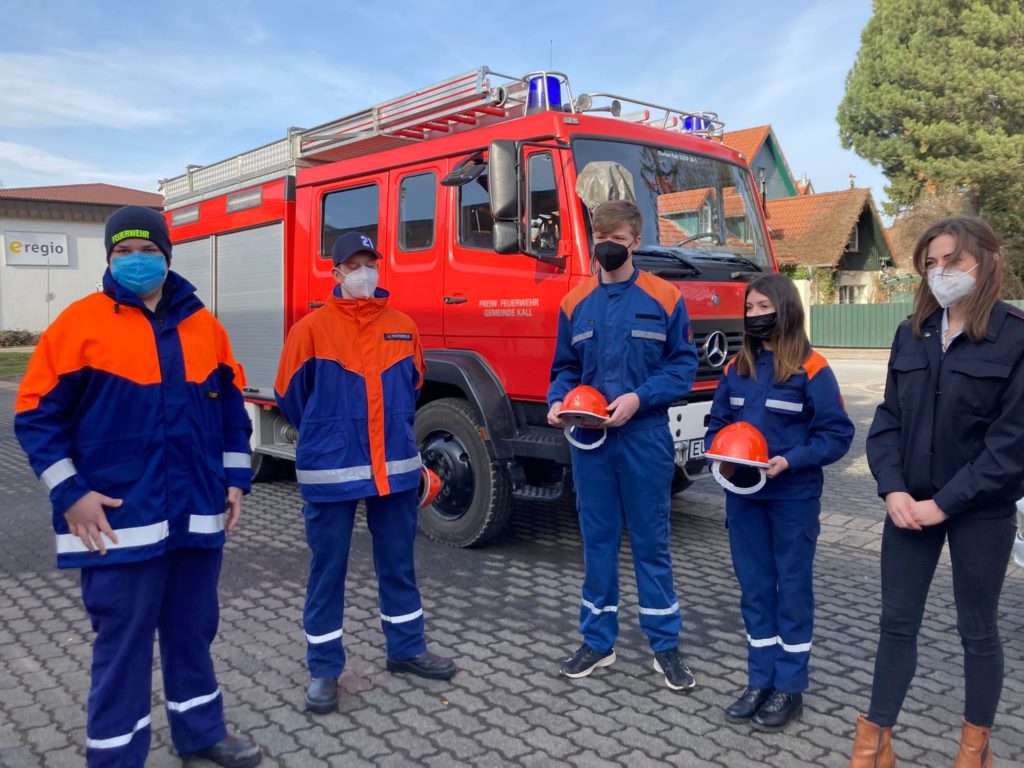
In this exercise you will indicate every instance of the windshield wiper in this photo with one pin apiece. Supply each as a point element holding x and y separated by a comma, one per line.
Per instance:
<point>732,258</point>
<point>664,253</point>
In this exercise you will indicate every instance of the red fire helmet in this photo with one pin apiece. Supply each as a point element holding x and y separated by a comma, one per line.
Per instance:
<point>584,406</point>
<point>430,486</point>
<point>739,443</point>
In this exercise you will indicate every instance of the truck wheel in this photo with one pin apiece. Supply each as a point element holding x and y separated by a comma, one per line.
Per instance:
<point>265,469</point>
<point>476,496</point>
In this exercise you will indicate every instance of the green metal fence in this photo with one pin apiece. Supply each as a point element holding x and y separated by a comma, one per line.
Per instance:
<point>860,325</point>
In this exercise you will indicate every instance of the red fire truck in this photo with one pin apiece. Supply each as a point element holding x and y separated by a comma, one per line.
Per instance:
<point>478,191</point>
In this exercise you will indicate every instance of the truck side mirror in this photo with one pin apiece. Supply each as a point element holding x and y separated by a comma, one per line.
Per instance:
<point>506,237</point>
<point>503,179</point>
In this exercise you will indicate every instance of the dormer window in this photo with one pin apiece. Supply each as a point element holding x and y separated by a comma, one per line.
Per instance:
<point>854,245</point>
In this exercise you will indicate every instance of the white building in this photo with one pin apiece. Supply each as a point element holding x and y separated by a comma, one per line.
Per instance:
<point>53,254</point>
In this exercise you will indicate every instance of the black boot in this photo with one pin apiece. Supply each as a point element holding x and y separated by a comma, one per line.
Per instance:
<point>322,696</point>
<point>776,713</point>
<point>741,710</point>
<point>230,752</point>
<point>427,665</point>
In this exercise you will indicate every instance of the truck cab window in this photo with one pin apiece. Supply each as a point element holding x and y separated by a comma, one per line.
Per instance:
<point>476,225</point>
<point>347,210</point>
<point>545,224</point>
<point>416,212</point>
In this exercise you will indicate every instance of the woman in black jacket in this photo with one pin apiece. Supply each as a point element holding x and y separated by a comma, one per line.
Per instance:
<point>946,449</point>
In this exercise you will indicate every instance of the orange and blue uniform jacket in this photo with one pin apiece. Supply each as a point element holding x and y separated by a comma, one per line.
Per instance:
<point>632,336</point>
<point>140,406</point>
<point>348,381</point>
<point>803,419</point>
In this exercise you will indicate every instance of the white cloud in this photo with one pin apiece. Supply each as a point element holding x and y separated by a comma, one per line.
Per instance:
<point>33,166</point>
<point>75,89</point>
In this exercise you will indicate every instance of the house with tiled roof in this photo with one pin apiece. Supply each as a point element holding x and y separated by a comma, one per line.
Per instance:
<point>52,239</point>
<point>763,154</point>
<point>838,232</point>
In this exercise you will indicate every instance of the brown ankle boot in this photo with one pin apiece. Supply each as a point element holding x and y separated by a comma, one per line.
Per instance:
<point>974,750</point>
<point>872,748</point>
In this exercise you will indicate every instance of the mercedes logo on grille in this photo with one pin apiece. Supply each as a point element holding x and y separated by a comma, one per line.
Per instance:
<point>716,349</point>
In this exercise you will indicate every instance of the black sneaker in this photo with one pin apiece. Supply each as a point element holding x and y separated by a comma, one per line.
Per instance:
<point>677,675</point>
<point>230,752</point>
<point>585,661</point>
<point>744,708</point>
<point>779,711</point>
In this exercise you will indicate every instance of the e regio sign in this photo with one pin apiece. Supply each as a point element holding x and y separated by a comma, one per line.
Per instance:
<point>35,249</point>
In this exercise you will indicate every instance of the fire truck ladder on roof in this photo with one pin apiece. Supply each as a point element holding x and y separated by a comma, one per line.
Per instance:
<point>475,98</point>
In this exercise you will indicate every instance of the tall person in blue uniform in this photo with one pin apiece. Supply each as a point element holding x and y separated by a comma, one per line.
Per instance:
<point>945,449</point>
<point>627,334</point>
<point>348,380</point>
<point>131,413</point>
<point>785,389</point>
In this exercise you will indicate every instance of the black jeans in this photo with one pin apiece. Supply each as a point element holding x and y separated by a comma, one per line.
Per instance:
<point>980,550</point>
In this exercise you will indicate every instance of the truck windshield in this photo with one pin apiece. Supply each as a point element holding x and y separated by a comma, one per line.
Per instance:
<point>694,206</point>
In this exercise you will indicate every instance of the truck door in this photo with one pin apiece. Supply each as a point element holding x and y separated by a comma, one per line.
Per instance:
<point>413,248</point>
<point>506,306</point>
<point>357,206</point>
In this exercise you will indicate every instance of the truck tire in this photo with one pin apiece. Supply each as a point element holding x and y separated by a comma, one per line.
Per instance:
<point>476,496</point>
<point>265,469</point>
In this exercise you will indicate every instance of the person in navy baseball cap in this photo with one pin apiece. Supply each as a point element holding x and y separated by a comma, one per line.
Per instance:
<point>351,243</point>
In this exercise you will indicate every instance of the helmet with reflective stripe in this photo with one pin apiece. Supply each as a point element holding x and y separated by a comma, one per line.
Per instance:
<point>585,407</point>
<point>739,443</point>
<point>430,486</point>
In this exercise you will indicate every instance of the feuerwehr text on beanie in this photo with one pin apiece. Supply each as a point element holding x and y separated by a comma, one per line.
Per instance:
<point>137,221</point>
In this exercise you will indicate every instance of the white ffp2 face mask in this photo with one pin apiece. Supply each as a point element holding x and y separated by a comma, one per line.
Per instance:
<point>951,286</point>
<point>360,283</point>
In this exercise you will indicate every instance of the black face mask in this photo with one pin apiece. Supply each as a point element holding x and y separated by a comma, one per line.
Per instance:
<point>611,255</point>
<point>761,327</point>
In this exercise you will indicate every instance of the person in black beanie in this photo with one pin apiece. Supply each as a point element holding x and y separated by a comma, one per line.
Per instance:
<point>132,408</point>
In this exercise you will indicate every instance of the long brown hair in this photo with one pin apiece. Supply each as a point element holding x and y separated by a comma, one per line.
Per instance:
<point>975,237</point>
<point>790,344</point>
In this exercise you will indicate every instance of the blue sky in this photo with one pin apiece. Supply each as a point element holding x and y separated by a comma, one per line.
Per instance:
<point>128,93</point>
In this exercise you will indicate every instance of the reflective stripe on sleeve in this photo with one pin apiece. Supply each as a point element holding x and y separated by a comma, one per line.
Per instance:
<point>58,472</point>
<point>736,402</point>
<point>582,337</point>
<point>141,536</point>
<point>233,460</point>
<point>206,523</point>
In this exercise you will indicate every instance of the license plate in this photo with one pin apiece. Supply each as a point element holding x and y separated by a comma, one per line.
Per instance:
<point>697,448</point>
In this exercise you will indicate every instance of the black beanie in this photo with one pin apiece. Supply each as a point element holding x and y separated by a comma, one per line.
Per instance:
<point>137,221</point>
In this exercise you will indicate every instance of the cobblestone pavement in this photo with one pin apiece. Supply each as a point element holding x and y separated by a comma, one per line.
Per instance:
<point>508,613</point>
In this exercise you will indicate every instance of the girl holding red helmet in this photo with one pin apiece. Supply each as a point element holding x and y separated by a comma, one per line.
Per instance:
<point>785,390</point>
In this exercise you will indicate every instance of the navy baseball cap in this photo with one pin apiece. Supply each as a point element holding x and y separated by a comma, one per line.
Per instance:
<point>351,243</point>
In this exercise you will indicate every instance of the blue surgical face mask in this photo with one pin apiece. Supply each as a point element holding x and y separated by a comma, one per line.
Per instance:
<point>140,273</point>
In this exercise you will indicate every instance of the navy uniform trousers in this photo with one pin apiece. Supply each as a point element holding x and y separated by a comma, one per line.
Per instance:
<point>773,544</point>
<point>627,480</point>
<point>392,522</point>
<point>174,595</point>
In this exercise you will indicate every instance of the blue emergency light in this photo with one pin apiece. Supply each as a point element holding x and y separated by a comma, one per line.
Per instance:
<point>545,93</point>
<point>699,122</point>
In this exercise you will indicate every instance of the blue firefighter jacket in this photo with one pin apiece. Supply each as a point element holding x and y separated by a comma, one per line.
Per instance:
<point>632,336</point>
<point>140,406</point>
<point>803,420</point>
<point>348,379</point>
